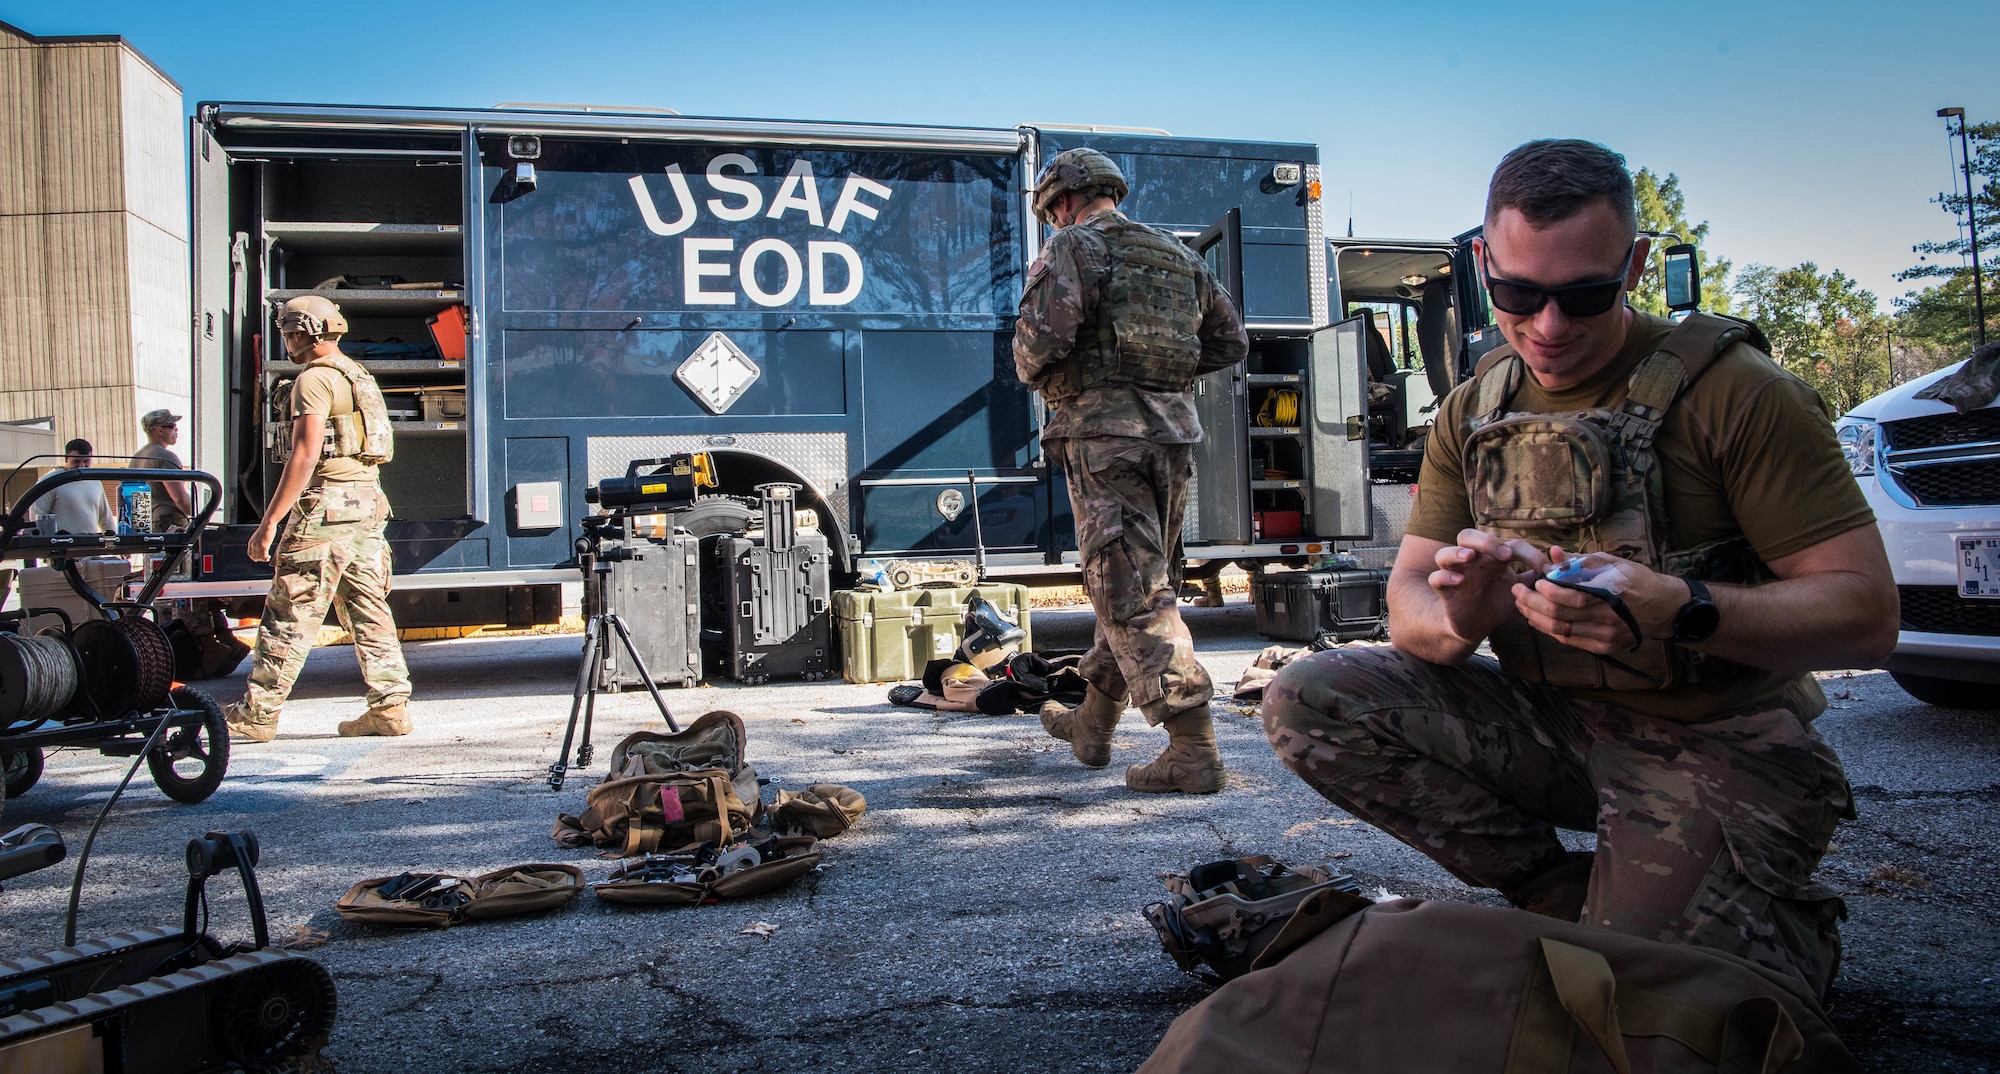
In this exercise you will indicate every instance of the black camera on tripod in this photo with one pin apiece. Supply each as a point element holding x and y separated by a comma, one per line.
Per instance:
<point>649,487</point>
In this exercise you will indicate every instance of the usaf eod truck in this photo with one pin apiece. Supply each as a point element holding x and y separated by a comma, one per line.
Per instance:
<point>546,296</point>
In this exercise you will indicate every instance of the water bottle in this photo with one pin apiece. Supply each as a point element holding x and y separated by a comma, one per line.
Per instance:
<point>135,507</point>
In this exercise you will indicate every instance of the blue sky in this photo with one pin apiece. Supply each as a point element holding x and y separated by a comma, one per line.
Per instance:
<point>1800,131</point>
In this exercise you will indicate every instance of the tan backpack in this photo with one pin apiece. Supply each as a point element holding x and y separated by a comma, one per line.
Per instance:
<point>1409,985</point>
<point>664,792</point>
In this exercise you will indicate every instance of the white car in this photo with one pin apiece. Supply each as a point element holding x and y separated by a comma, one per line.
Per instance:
<point>1933,477</point>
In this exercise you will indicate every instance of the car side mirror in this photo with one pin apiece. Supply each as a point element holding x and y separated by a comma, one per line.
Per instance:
<point>1683,277</point>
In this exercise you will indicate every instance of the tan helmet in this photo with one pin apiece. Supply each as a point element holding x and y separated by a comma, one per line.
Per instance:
<point>1085,171</point>
<point>313,315</point>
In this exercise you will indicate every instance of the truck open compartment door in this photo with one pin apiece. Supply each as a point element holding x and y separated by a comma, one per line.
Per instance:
<point>1337,432</point>
<point>218,303</point>
<point>1219,496</point>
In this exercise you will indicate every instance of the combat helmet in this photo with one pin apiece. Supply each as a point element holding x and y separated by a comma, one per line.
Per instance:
<point>1085,171</point>
<point>315,316</point>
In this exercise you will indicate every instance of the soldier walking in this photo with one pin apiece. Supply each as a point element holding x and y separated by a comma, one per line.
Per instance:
<point>333,554</point>
<point>1117,321</point>
<point>1695,491</point>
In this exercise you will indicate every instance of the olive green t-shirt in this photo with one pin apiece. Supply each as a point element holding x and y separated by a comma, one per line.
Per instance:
<point>322,390</point>
<point>1747,449</point>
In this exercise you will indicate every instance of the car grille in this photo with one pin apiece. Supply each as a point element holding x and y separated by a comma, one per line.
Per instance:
<point>1941,430</point>
<point>1938,609</point>
<point>1951,484</point>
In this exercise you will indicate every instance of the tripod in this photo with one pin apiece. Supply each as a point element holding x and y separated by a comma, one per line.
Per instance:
<point>597,633</point>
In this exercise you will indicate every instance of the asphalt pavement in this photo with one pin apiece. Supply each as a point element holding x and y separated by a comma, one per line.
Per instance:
<point>984,915</point>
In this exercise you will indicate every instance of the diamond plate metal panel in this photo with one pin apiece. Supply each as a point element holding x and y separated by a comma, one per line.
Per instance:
<point>1316,253</point>
<point>820,458</point>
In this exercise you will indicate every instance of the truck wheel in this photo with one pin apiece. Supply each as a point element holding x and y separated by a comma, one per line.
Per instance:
<point>189,764</point>
<point>1949,693</point>
<point>23,770</point>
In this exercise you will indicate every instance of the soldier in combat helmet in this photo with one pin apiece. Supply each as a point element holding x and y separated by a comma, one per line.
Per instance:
<point>1709,549</point>
<point>332,554</point>
<point>1117,321</point>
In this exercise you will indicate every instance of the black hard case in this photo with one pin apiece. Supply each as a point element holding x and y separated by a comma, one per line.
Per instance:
<point>778,600</point>
<point>654,586</point>
<point>1307,605</point>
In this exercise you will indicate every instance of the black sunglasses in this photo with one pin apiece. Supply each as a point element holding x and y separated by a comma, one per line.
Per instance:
<point>1575,300</point>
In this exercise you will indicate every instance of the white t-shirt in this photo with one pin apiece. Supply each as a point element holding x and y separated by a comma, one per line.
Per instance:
<point>78,507</point>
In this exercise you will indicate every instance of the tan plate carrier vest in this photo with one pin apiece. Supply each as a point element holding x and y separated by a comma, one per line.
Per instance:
<point>364,434</point>
<point>1590,481</point>
<point>1146,328</point>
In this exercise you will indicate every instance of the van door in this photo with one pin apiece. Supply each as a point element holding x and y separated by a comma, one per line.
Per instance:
<point>1337,433</point>
<point>1476,323</point>
<point>1219,496</point>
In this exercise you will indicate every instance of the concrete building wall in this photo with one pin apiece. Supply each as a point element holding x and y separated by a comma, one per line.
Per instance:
<point>93,238</point>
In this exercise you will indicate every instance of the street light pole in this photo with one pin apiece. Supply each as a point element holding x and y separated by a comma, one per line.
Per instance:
<point>1972,225</point>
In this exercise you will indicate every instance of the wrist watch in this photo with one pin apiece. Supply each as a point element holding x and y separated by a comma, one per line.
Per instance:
<point>1698,618</point>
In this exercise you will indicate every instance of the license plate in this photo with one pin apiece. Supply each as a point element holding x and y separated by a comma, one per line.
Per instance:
<point>1979,567</point>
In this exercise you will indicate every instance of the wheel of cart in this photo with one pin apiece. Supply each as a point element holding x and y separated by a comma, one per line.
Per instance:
<point>105,683</point>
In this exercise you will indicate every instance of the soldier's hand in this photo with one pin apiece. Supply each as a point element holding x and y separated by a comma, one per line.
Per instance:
<point>1582,620</point>
<point>1474,579</point>
<point>260,543</point>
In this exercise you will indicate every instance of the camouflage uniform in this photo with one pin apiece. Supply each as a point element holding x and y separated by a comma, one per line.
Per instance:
<point>1711,796</point>
<point>332,554</point>
<point>320,564</point>
<point>1126,453</point>
<point>1707,833</point>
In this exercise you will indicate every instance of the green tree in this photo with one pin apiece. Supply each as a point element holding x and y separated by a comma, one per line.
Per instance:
<point>1934,325</point>
<point>1823,327</point>
<point>1941,315</point>
<point>1663,209</point>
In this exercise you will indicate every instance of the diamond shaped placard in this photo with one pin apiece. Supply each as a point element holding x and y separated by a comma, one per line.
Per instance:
<point>717,373</point>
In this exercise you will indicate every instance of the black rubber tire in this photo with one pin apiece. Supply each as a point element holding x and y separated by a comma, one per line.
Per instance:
<point>23,769</point>
<point>206,744</point>
<point>1949,693</point>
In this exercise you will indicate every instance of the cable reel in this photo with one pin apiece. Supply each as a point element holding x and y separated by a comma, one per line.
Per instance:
<point>39,677</point>
<point>128,664</point>
<point>1279,410</point>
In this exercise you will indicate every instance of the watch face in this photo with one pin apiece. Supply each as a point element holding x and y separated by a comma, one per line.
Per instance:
<point>1696,621</point>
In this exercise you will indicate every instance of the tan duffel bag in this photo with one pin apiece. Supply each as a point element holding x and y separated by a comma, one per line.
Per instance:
<point>440,899</point>
<point>1415,986</point>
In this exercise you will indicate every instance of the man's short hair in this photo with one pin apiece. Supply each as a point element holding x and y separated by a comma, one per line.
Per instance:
<point>79,446</point>
<point>1555,178</point>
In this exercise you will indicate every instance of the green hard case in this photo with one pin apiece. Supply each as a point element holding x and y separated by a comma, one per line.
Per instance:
<point>889,637</point>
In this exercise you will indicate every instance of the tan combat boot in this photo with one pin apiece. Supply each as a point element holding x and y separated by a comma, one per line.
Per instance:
<point>389,721</point>
<point>1087,727</point>
<point>1191,763</point>
<point>237,716</point>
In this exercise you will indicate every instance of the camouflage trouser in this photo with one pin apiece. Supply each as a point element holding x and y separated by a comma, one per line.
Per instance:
<point>1707,833</point>
<point>1128,496</point>
<point>332,554</point>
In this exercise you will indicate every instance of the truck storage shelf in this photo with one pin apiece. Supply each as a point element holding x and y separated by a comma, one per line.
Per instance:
<point>320,237</point>
<point>425,428</point>
<point>372,303</point>
<point>1261,432</point>
<point>380,365</point>
<point>1256,380</point>
<point>1288,483</point>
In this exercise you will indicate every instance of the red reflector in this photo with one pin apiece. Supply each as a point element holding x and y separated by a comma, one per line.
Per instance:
<point>1288,549</point>
<point>208,564</point>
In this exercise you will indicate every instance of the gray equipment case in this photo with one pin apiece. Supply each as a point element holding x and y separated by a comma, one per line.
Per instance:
<point>778,597</point>
<point>1337,605</point>
<point>654,585</point>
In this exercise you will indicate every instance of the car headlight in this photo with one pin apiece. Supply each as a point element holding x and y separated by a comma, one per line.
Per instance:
<point>1858,438</point>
